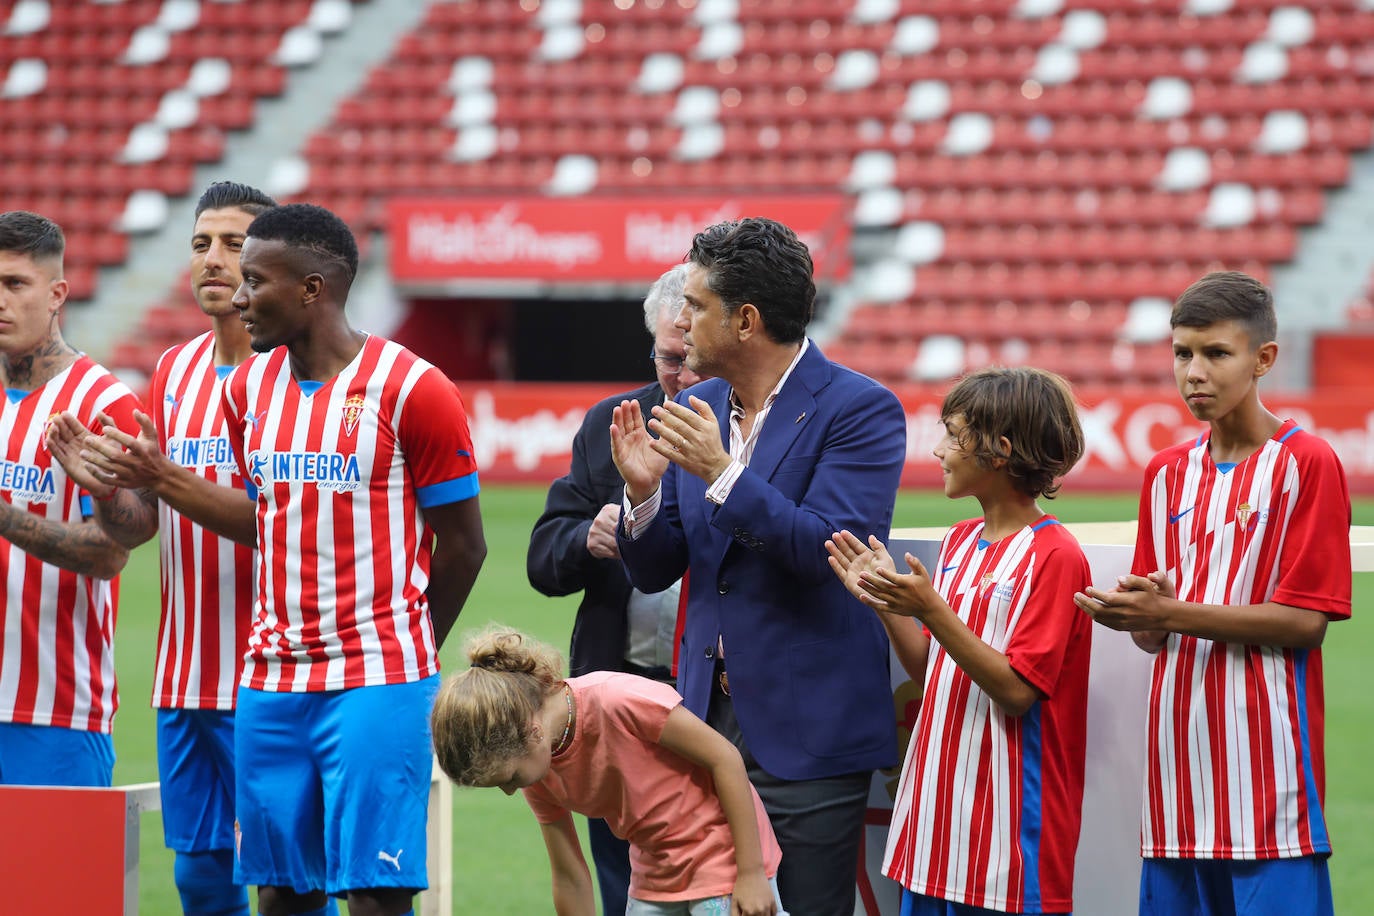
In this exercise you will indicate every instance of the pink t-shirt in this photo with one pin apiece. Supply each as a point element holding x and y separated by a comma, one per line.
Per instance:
<point>665,806</point>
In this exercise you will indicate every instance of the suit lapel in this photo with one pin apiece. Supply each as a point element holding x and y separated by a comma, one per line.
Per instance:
<point>794,408</point>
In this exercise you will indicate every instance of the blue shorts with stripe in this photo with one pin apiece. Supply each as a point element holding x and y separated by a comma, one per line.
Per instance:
<point>333,787</point>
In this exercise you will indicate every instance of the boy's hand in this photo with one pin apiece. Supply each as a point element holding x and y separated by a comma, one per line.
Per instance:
<point>752,895</point>
<point>910,594</point>
<point>870,575</point>
<point>1135,606</point>
<point>849,558</point>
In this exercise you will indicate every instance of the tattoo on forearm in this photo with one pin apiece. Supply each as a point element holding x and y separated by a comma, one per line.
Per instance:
<point>82,548</point>
<point>130,521</point>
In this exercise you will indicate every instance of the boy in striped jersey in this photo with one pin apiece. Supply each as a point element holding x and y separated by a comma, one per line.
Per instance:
<point>57,680</point>
<point>987,812</point>
<point>207,581</point>
<point>1242,557</point>
<point>363,506</point>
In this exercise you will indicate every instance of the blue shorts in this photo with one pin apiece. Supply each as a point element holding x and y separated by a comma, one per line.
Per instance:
<point>333,787</point>
<point>45,755</point>
<point>1243,887</point>
<point>914,904</point>
<point>195,766</point>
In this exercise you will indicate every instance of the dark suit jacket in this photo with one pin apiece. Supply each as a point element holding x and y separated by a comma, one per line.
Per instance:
<point>558,562</point>
<point>808,664</point>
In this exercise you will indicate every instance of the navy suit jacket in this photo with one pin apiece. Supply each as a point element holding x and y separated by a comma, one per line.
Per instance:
<point>558,562</point>
<point>808,664</point>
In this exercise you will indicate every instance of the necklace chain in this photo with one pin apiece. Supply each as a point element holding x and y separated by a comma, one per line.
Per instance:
<point>564,739</point>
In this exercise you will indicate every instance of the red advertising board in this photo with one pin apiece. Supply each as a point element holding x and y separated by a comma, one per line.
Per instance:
<point>594,240</point>
<point>524,432</point>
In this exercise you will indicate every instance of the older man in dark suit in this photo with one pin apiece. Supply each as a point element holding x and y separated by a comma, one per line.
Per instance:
<point>573,548</point>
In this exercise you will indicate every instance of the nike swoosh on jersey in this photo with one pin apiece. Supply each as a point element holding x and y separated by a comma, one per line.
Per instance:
<point>1173,519</point>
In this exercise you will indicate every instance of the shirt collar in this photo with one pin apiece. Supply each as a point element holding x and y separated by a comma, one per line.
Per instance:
<point>737,409</point>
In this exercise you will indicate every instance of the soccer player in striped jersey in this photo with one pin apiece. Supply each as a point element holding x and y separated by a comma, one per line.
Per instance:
<point>363,506</point>
<point>1242,557</point>
<point>207,581</point>
<point>57,679</point>
<point>987,811</point>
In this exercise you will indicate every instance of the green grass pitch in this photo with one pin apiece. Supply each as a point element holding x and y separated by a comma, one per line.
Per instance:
<point>498,863</point>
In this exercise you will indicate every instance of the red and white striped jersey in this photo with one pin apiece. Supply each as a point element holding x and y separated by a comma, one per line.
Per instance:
<point>988,808</point>
<point>207,580</point>
<point>57,644</point>
<point>1235,766</point>
<point>341,477</point>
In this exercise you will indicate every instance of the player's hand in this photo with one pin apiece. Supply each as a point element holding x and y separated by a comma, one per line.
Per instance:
<point>690,438</point>
<point>66,437</point>
<point>632,450</point>
<point>752,896</point>
<point>601,542</point>
<point>122,460</point>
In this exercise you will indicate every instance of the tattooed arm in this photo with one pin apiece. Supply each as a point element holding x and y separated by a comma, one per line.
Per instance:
<point>128,516</point>
<point>82,547</point>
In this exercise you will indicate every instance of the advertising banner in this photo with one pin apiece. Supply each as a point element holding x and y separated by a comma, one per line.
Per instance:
<point>589,240</point>
<point>524,432</point>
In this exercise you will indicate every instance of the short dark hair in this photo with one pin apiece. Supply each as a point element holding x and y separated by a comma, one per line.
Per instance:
<point>313,229</point>
<point>1035,411</point>
<point>222,195</point>
<point>1228,295</point>
<point>761,261</point>
<point>29,234</point>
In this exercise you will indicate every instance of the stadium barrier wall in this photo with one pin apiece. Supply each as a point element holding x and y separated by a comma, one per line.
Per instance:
<point>523,432</point>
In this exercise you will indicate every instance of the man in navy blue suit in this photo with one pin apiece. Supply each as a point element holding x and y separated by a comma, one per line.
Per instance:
<point>749,474</point>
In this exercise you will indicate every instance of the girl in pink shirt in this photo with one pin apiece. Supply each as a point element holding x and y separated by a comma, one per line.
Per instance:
<point>618,747</point>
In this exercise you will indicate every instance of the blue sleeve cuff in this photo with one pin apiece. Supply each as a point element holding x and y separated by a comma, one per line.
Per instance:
<point>252,490</point>
<point>87,507</point>
<point>450,491</point>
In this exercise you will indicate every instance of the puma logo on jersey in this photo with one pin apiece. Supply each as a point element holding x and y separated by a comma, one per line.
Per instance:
<point>384,856</point>
<point>255,418</point>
